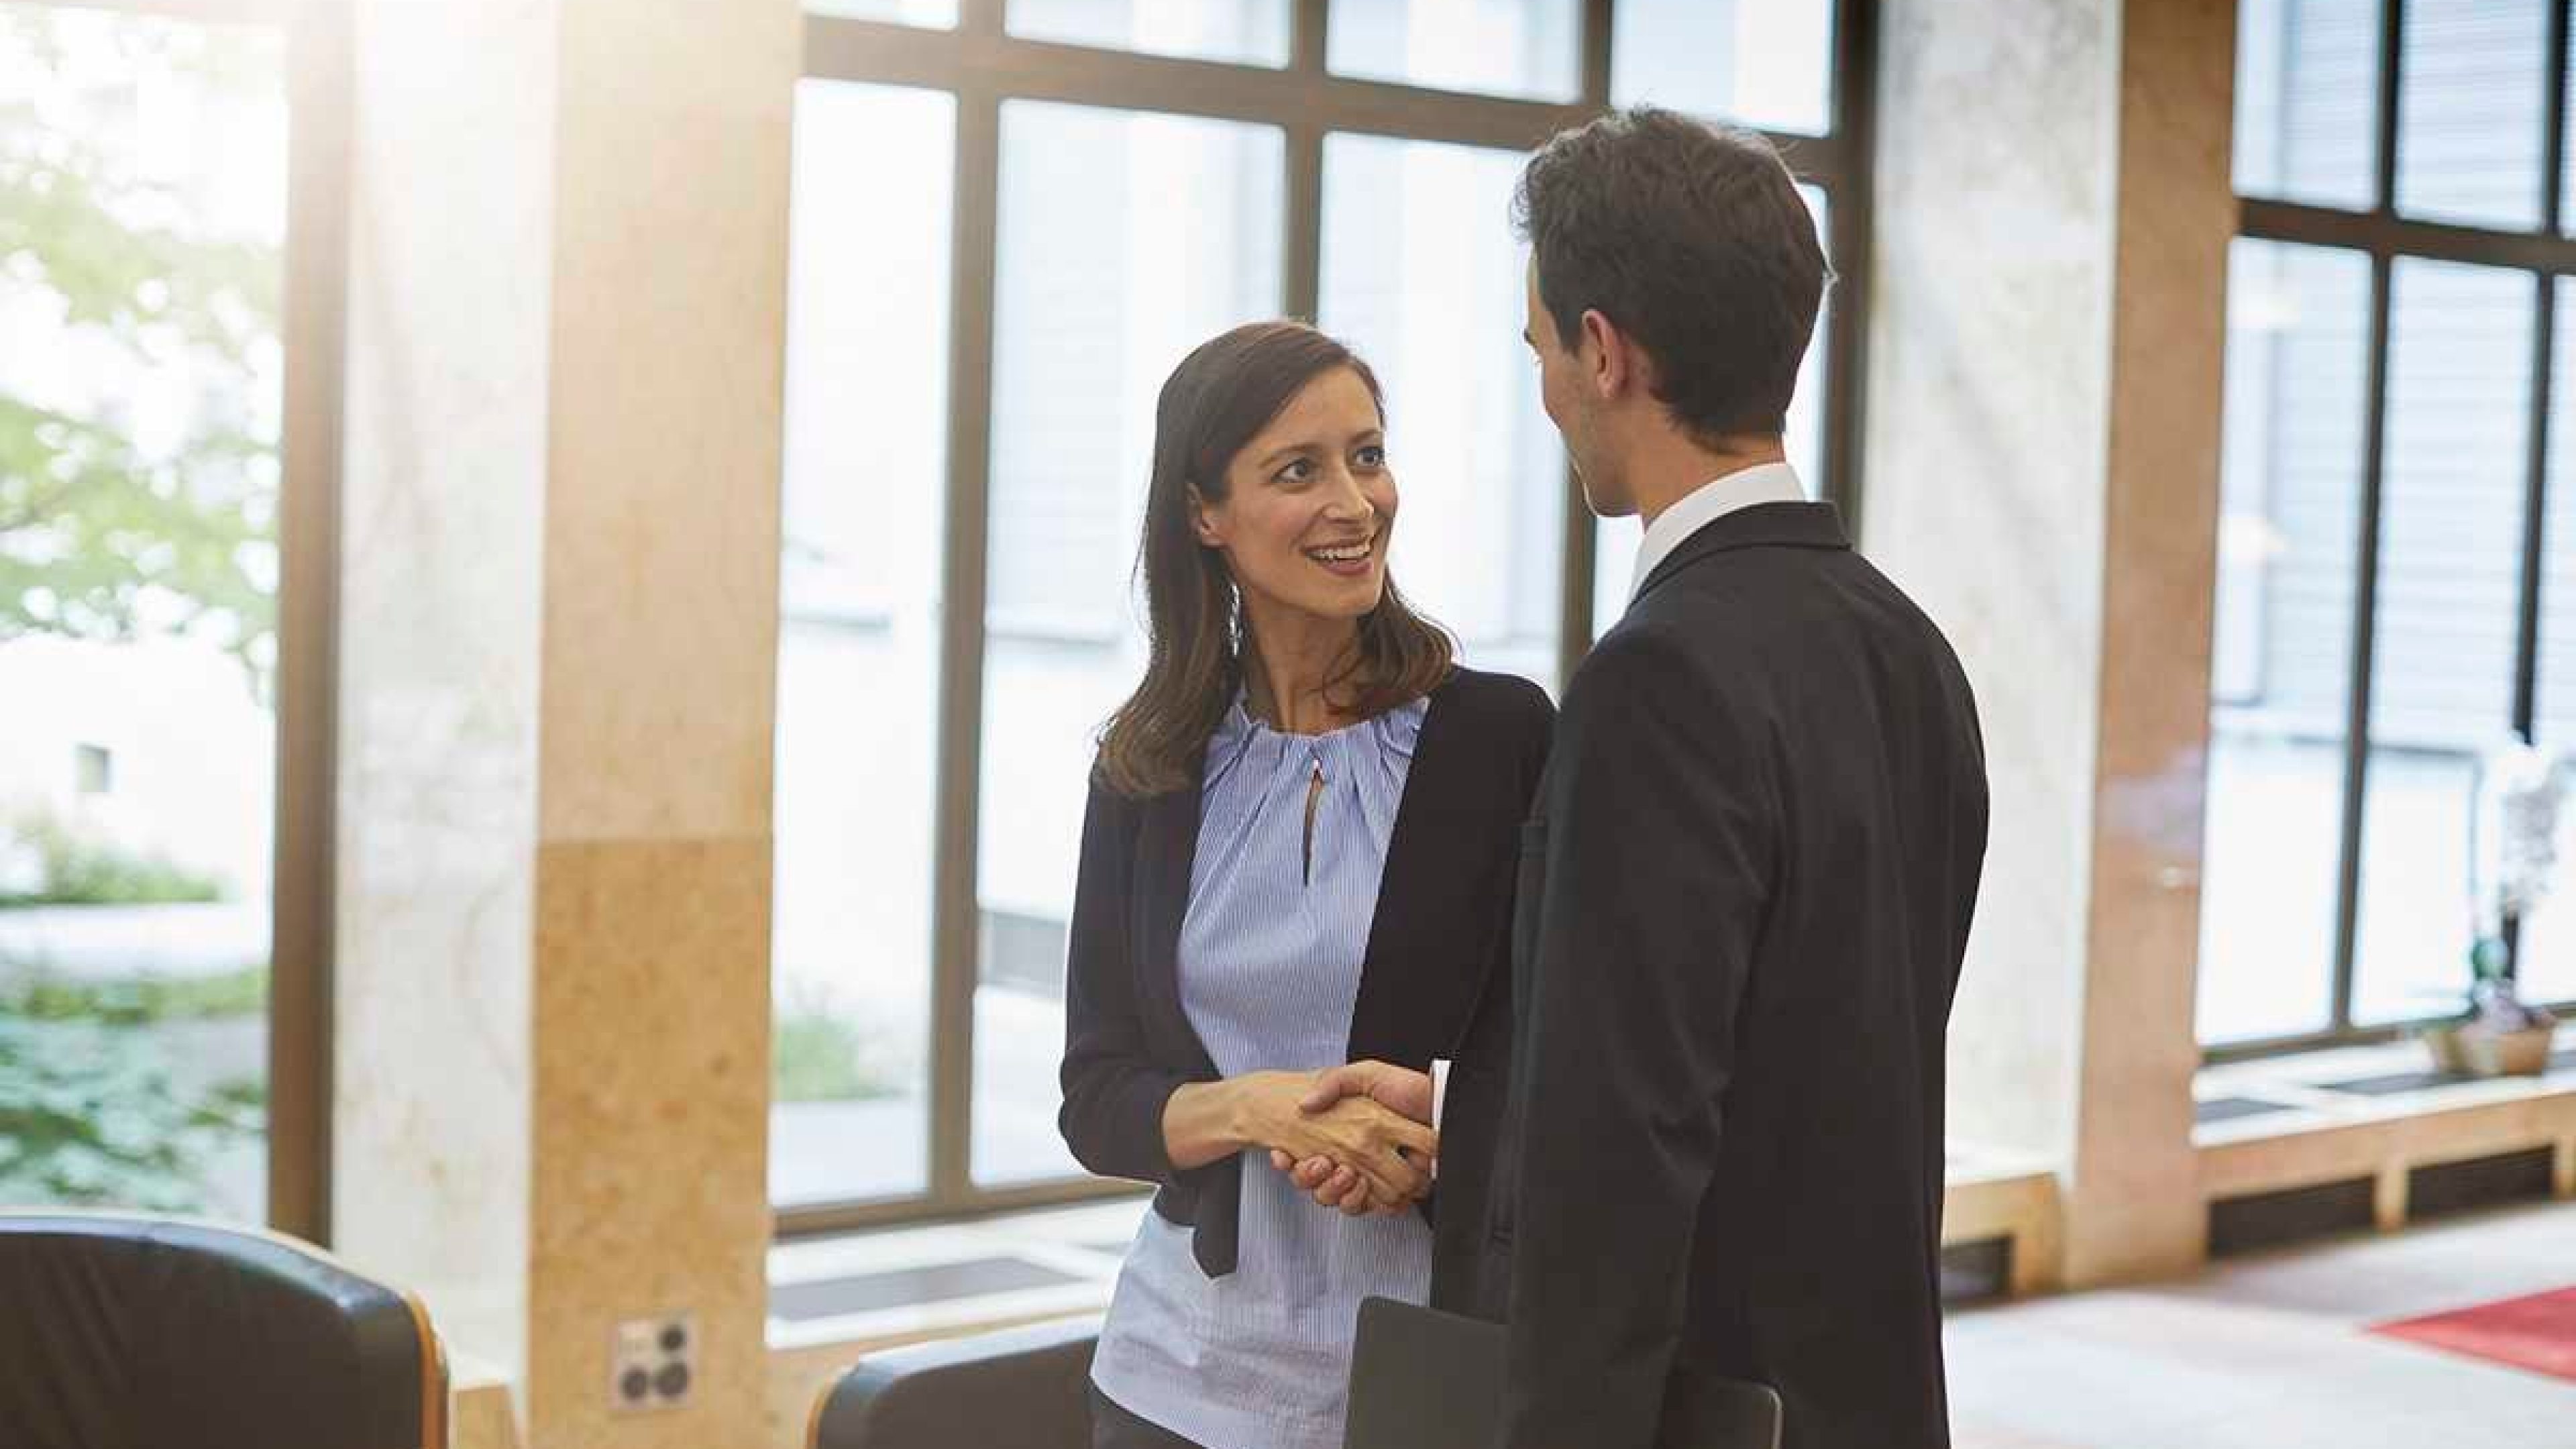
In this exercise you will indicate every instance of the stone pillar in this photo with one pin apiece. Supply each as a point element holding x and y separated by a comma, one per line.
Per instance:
<point>2047,330</point>
<point>567,292</point>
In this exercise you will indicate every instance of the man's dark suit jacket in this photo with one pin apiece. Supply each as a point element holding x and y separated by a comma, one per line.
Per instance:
<point>1742,908</point>
<point>1440,940</point>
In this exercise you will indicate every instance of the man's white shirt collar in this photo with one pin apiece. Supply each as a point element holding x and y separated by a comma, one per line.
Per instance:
<point>1762,483</point>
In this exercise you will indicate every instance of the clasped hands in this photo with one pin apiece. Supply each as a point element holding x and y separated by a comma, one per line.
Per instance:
<point>1359,1141</point>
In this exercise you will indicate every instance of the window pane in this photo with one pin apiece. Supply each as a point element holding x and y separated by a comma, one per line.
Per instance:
<point>1615,540</point>
<point>2548,964</point>
<point>1249,31</point>
<point>858,642</point>
<point>2449,607</point>
<point>2567,163</point>
<point>937,14</point>
<point>2307,101</point>
<point>1765,63</point>
<point>2298,324</point>
<point>139,490</point>
<point>1099,296</point>
<point>2475,111</point>
<point>1501,47</point>
<point>1421,274</point>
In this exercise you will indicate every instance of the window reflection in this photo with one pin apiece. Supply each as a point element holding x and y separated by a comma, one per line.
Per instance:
<point>2446,626</point>
<point>2298,323</point>
<point>1766,63</point>
<point>1100,295</point>
<point>858,643</point>
<point>140,397</point>
<point>1423,276</point>
<point>1526,48</point>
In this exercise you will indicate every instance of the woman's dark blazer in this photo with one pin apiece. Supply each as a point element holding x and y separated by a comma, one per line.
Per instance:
<point>1438,950</point>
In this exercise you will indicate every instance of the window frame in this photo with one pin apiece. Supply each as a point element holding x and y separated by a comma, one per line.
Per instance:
<point>2386,236</point>
<point>982,65</point>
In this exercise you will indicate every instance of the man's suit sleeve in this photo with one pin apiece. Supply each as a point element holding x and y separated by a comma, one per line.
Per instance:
<point>1661,819</point>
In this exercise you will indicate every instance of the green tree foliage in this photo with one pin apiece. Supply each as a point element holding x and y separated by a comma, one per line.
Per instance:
<point>89,1116</point>
<point>106,533</point>
<point>72,871</point>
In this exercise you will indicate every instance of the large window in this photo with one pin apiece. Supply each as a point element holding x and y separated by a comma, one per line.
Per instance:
<point>164,661</point>
<point>1010,222</point>
<point>2395,552</point>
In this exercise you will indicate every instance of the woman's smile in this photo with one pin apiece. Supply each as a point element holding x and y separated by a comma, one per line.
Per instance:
<point>1351,560</point>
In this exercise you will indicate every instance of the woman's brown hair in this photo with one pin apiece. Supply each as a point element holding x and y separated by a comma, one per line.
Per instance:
<point>1214,403</point>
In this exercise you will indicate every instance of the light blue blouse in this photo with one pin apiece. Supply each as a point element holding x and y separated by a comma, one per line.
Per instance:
<point>1269,971</point>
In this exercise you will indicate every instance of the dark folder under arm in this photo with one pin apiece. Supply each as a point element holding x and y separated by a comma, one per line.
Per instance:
<point>1424,1379</point>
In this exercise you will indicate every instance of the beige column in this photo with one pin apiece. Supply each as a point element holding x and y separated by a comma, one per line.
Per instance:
<point>2046,338</point>
<point>558,638</point>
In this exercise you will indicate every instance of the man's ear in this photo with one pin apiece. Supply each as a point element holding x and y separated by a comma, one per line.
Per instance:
<point>1612,362</point>
<point>1203,525</point>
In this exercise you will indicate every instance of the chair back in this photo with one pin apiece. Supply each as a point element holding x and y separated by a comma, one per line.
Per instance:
<point>1023,1388</point>
<point>150,1333</point>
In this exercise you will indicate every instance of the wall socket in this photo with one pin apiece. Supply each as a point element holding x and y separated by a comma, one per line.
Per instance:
<point>653,1362</point>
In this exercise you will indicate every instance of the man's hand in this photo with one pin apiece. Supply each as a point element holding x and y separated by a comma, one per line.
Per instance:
<point>1335,1185</point>
<point>1396,1088</point>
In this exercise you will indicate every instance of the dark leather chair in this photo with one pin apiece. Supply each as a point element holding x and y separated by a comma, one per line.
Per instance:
<point>121,1332</point>
<point>1024,1388</point>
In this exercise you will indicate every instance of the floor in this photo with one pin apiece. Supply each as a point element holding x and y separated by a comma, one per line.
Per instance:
<point>2271,1352</point>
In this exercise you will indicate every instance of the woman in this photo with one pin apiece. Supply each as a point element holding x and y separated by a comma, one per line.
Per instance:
<point>1299,852</point>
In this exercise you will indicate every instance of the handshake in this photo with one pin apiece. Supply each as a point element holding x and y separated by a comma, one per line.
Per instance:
<point>1356,1138</point>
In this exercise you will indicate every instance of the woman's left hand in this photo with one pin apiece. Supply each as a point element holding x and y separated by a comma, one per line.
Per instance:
<point>1334,1186</point>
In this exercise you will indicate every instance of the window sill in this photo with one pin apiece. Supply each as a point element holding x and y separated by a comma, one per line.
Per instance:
<point>894,1285</point>
<point>2345,1086</point>
<point>2376,1111</point>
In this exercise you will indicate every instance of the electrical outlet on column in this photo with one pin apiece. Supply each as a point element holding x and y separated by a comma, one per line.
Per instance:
<point>653,1362</point>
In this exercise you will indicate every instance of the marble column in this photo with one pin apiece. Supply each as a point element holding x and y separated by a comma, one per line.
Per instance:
<point>2053,210</point>
<point>558,638</point>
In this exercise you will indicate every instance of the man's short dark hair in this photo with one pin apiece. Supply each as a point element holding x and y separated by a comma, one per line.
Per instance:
<point>1693,239</point>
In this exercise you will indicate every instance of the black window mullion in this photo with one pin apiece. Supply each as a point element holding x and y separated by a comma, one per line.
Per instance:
<point>1597,22</point>
<point>1848,200</point>
<point>2544,356</point>
<point>1310,39</point>
<point>2535,522</point>
<point>2553,150</point>
<point>2303,224</point>
<point>2364,641</point>
<point>1302,257</point>
<point>1303,216</point>
<point>1303,212</point>
<point>2365,621</point>
<point>1578,569</point>
<point>301,1039</point>
<point>2535,516</point>
<point>956,918</point>
<point>2392,47</point>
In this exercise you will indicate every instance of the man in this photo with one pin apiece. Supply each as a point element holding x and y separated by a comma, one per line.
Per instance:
<point>1746,894</point>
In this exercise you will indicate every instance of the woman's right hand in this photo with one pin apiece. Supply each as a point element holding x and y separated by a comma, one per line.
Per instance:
<point>1389,1150</point>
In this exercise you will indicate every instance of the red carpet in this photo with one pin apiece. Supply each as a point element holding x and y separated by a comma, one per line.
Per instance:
<point>2536,1333</point>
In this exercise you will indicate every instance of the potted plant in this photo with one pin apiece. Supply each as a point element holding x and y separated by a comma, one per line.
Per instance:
<point>2513,857</point>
